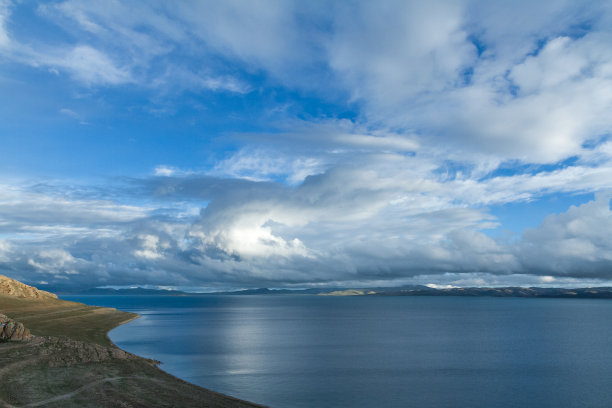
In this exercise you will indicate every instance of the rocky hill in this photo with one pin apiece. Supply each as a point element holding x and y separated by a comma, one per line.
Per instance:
<point>11,287</point>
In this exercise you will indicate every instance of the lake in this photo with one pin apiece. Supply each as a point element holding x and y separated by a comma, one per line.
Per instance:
<point>319,351</point>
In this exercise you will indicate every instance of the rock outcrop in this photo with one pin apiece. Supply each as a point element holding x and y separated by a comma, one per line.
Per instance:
<point>65,352</point>
<point>11,330</point>
<point>11,287</point>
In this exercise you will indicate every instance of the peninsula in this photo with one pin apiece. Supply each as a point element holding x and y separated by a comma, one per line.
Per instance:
<point>56,353</point>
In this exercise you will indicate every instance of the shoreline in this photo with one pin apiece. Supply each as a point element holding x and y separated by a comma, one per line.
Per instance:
<point>131,319</point>
<point>71,361</point>
<point>254,404</point>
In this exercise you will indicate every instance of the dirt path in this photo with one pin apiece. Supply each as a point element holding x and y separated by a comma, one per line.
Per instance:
<point>84,388</point>
<point>72,393</point>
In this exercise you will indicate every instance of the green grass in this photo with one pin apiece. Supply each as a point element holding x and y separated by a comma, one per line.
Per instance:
<point>53,317</point>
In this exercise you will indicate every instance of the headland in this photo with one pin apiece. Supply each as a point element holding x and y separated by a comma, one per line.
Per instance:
<point>67,360</point>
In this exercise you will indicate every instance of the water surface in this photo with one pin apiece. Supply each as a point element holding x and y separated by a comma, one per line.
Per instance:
<point>317,351</point>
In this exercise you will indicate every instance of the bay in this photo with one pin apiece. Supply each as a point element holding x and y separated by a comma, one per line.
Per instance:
<point>318,351</point>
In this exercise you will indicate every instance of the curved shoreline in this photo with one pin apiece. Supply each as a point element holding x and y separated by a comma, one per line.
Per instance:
<point>230,397</point>
<point>74,363</point>
<point>131,319</point>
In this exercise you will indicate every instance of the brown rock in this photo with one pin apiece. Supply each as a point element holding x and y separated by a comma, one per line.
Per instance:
<point>11,330</point>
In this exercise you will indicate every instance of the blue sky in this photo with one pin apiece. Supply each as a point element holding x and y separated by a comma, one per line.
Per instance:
<point>204,145</point>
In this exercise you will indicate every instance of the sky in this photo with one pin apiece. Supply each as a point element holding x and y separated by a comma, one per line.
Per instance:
<point>211,145</point>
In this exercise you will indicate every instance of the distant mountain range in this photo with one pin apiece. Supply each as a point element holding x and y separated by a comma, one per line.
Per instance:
<point>111,291</point>
<point>412,290</point>
<point>532,292</point>
<point>419,290</point>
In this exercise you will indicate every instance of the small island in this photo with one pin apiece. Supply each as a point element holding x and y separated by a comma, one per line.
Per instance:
<point>56,353</point>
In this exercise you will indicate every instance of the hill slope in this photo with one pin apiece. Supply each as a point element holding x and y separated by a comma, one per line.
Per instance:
<point>70,362</point>
<point>11,287</point>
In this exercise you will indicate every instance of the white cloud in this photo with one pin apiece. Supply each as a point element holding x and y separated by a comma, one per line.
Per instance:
<point>345,225</point>
<point>526,187</point>
<point>437,286</point>
<point>5,249</point>
<point>118,44</point>
<point>55,262</point>
<point>268,34</point>
<point>574,243</point>
<point>4,16</point>
<point>91,67</point>
<point>555,64</point>
<point>27,212</point>
<point>148,36</point>
<point>410,66</point>
<point>386,54</point>
<point>83,63</point>
<point>414,66</point>
<point>260,165</point>
<point>561,102</point>
<point>395,143</point>
<point>165,170</point>
<point>249,237</point>
<point>150,247</point>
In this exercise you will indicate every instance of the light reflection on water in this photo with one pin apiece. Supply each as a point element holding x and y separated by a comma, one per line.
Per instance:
<point>309,351</point>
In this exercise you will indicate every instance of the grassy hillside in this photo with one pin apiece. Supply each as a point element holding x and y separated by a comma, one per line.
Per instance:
<point>53,317</point>
<point>71,363</point>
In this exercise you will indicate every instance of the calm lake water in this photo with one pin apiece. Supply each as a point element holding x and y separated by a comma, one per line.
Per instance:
<point>316,351</point>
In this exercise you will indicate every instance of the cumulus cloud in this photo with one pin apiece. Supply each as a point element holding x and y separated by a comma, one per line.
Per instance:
<point>342,228</point>
<point>150,247</point>
<point>559,61</point>
<point>363,224</point>
<point>344,225</point>
<point>458,72</point>
<point>559,103</point>
<point>390,53</point>
<point>535,105</point>
<point>575,243</point>
<point>456,77</point>
<point>55,262</point>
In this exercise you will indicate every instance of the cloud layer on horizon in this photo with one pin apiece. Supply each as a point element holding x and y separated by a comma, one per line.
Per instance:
<point>328,230</point>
